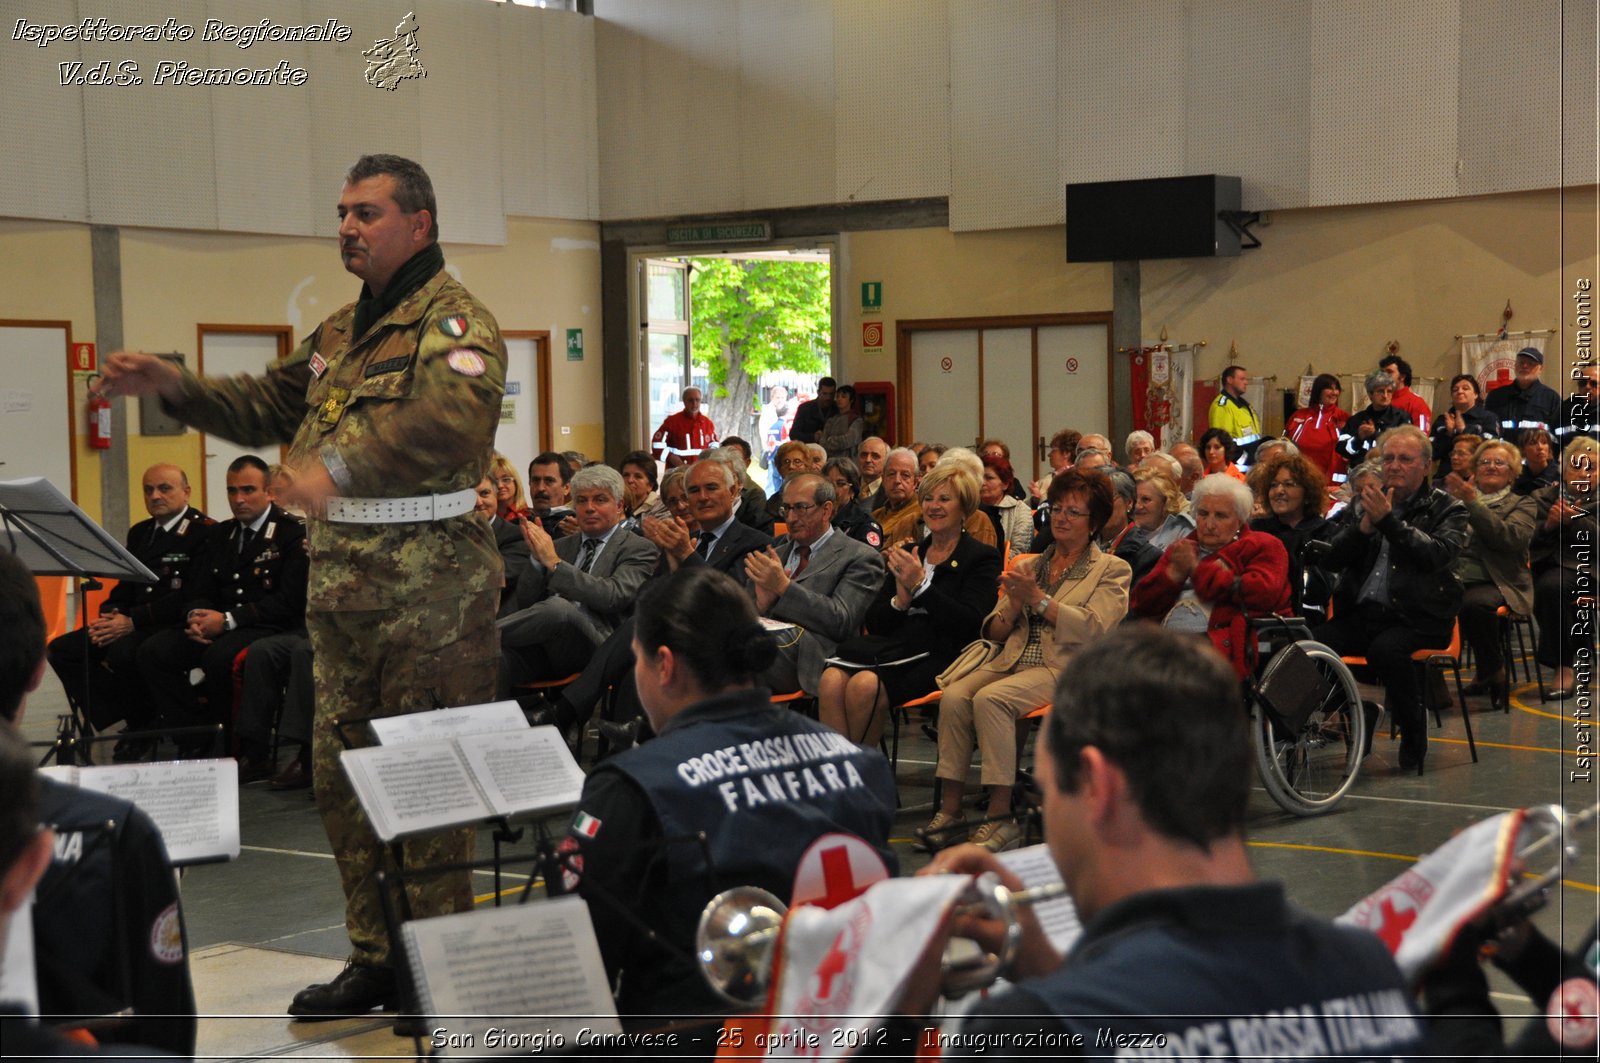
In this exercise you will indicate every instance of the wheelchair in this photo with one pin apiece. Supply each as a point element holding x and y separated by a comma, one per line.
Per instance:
<point>1308,725</point>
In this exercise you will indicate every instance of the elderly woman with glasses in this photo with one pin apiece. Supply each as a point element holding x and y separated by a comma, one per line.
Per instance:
<point>1493,565</point>
<point>1051,604</point>
<point>1212,581</point>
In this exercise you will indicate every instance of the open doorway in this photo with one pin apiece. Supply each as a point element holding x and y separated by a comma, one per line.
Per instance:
<point>752,329</point>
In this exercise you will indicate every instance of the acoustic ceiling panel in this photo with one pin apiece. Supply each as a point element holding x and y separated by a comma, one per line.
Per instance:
<point>519,52</point>
<point>1248,92</point>
<point>1120,84</point>
<point>1580,115</point>
<point>1383,100</point>
<point>1004,171</point>
<point>891,100</point>
<point>1509,106</point>
<point>785,103</point>
<point>564,84</point>
<point>42,169</point>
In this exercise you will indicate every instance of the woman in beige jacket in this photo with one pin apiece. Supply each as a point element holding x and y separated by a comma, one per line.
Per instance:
<point>1052,604</point>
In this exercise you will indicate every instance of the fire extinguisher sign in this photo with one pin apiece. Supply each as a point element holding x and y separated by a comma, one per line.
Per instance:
<point>83,358</point>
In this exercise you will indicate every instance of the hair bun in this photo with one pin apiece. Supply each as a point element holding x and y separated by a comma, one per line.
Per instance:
<point>753,651</point>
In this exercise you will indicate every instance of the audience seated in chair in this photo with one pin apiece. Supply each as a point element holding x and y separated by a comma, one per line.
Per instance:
<point>930,605</point>
<point>1053,604</point>
<point>508,537</point>
<point>1564,564</point>
<point>1294,494</point>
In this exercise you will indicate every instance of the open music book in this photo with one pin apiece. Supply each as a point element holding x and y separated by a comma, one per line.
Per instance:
<point>452,782</point>
<point>194,803</point>
<point>522,978</point>
<point>1058,916</point>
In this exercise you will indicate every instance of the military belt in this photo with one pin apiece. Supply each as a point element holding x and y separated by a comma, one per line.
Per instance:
<point>416,510</point>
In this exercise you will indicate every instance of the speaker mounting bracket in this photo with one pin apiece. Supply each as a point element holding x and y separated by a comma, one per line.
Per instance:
<point>1240,222</point>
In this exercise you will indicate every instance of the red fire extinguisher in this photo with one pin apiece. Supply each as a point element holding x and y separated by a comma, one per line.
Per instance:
<point>99,420</point>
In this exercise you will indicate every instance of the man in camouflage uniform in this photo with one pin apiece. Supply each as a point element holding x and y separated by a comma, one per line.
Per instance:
<point>391,407</point>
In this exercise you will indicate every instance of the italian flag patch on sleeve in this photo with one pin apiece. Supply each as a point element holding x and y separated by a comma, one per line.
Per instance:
<point>585,825</point>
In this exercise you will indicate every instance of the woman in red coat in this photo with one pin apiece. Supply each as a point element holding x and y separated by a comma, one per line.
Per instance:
<point>1214,580</point>
<point>1315,428</point>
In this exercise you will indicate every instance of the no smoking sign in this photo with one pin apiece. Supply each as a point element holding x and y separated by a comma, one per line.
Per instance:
<point>1072,365</point>
<point>947,363</point>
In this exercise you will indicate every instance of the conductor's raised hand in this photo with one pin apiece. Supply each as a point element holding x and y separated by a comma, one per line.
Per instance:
<point>137,373</point>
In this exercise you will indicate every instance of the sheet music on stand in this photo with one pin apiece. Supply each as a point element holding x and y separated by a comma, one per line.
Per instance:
<point>449,723</point>
<point>441,783</point>
<point>53,537</point>
<point>194,803</point>
<point>510,980</point>
<point>1058,916</point>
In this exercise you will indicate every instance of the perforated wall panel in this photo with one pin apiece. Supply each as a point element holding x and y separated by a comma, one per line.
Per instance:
<point>520,45</point>
<point>1500,77</point>
<point>891,99</point>
<point>1383,100</point>
<point>563,83</point>
<point>1003,129</point>
<point>150,153</point>
<point>1248,93</point>
<point>461,121</point>
<point>1580,55</point>
<point>668,80</point>
<point>1121,81</point>
<point>42,170</point>
<point>263,191</point>
<point>785,102</point>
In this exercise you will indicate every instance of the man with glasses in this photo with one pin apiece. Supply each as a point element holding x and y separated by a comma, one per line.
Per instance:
<point>1580,417</point>
<point>1397,545</point>
<point>816,579</point>
<point>1527,402</point>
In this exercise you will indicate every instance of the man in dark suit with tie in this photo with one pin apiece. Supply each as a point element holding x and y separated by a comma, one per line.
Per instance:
<point>577,589</point>
<point>252,584</point>
<point>815,578</point>
<point>97,664</point>
<point>713,488</point>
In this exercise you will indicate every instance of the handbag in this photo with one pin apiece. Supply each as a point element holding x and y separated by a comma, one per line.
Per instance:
<point>976,654</point>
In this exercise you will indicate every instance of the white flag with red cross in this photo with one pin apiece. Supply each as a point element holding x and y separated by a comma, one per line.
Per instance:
<point>841,970</point>
<point>1418,914</point>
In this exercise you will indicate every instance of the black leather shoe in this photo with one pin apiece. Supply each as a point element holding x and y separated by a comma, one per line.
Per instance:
<point>297,776</point>
<point>1409,760</point>
<point>359,988</point>
<point>1490,686</point>
<point>254,770</point>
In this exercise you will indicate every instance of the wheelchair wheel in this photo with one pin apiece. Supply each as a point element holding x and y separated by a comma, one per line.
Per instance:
<point>1309,772</point>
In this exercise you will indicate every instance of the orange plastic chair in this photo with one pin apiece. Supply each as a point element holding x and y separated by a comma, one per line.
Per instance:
<point>93,600</point>
<point>1448,657</point>
<point>53,596</point>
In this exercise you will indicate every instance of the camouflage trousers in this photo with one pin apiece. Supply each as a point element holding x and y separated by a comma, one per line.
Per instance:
<point>387,663</point>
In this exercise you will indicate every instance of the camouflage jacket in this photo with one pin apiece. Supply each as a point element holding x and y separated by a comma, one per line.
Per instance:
<point>410,408</point>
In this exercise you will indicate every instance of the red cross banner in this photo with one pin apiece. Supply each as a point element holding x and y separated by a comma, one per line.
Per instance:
<point>1418,914</point>
<point>1493,359</point>
<point>841,970</point>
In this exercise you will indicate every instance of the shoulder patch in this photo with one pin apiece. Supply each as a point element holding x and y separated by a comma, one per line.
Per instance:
<point>1222,400</point>
<point>465,361</point>
<point>454,326</point>
<point>388,365</point>
<point>166,936</point>
<point>874,538</point>
<point>319,365</point>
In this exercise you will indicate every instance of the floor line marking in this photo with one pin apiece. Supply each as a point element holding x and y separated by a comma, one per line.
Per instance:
<point>1388,856</point>
<point>297,933</point>
<point>1420,801</point>
<point>1507,745</point>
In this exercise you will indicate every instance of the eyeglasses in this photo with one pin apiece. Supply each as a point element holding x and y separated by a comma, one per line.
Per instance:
<point>1493,463</point>
<point>505,481</point>
<point>1073,514</point>
<point>1586,382</point>
<point>796,507</point>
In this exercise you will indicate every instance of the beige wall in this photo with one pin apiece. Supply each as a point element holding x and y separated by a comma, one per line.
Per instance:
<point>547,276</point>
<point>1330,286</point>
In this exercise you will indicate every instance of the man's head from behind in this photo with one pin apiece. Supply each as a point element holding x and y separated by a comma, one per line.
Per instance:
<point>548,477</point>
<point>166,491</point>
<point>1146,745</point>
<point>24,848</point>
<point>22,647</point>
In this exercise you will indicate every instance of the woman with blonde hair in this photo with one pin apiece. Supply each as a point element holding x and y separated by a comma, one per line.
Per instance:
<point>510,502</point>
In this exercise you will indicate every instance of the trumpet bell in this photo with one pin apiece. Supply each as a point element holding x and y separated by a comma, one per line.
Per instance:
<point>734,941</point>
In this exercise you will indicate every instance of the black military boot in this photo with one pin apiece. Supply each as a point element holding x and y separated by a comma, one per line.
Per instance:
<point>359,988</point>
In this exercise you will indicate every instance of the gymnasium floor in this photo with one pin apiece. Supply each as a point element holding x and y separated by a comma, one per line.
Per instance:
<point>267,924</point>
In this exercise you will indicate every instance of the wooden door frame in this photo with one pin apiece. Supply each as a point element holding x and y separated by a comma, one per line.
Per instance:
<point>72,397</point>
<point>541,370</point>
<point>285,337</point>
<point>906,327</point>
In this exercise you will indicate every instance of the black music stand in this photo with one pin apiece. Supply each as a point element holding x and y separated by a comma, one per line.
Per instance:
<point>53,537</point>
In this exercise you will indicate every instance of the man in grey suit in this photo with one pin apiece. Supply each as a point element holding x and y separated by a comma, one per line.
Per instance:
<point>577,590</point>
<point>816,578</point>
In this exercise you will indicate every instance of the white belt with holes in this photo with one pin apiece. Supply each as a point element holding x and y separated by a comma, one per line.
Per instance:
<point>414,510</point>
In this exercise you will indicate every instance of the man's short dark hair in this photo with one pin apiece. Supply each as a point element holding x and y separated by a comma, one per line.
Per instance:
<point>22,620</point>
<point>1166,709</point>
<point>250,461</point>
<point>827,382</point>
<point>413,190</point>
<point>822,490</point>
<point>550,457</point>
<point>1227,374</point>
<point>1399,363</point>
<point>740,442</point>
